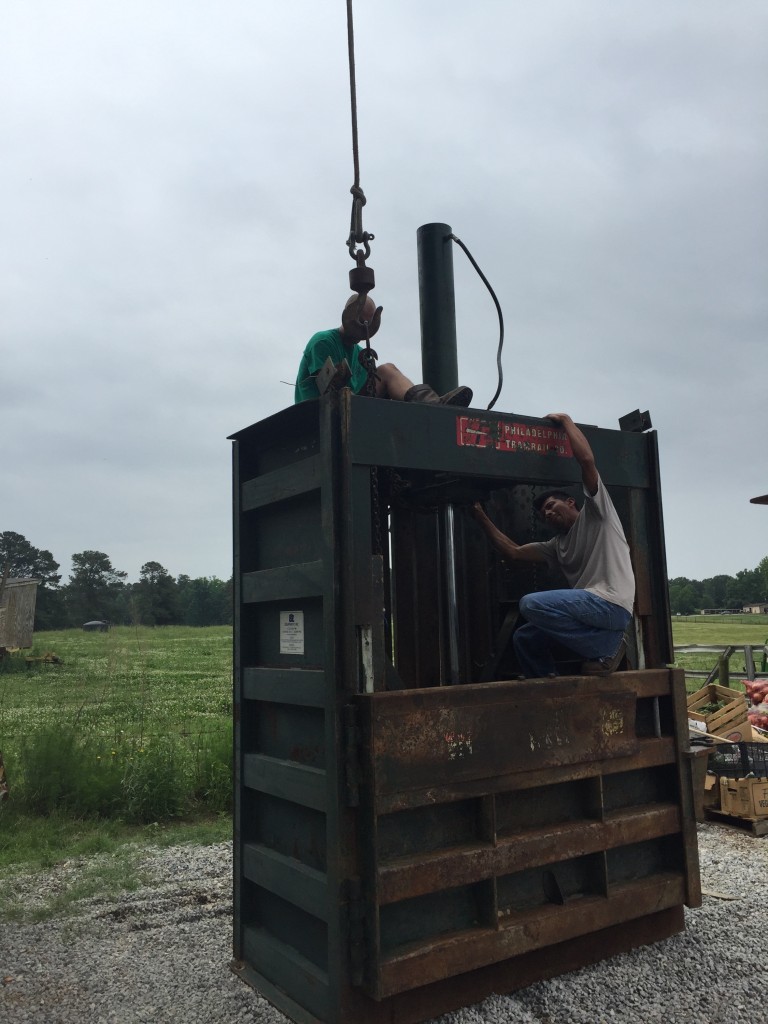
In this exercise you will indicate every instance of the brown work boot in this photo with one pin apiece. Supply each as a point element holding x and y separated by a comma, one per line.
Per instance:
<point>604,666</point>
<point>424,393</point>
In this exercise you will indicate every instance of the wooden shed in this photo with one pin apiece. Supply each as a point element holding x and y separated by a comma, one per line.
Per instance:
<point>17,612</point>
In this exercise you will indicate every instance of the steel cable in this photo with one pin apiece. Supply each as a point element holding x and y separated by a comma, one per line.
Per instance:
<point>356,233</point>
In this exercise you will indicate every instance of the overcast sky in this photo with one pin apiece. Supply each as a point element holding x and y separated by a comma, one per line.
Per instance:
<point>174,197</point>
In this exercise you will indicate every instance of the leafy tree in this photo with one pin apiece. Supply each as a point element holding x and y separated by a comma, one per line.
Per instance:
<point>688,603</point>
<point>205,601</point>
<point>708,595</point>
<point>744,588</point>
<point>95,588</point>
<point>685,596</point>
<point>26,561</point>
<point>156,598</point>
<point>719,586</point>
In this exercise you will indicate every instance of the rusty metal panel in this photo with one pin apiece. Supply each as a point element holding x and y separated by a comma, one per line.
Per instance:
<point>513,815</point>
<point>462,735</point>
<point>458,953</point>
<point>436,998</point>
<point>404,878</point>
<point>651,753</point>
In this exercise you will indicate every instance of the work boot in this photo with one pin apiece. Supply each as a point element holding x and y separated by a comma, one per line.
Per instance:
<point>423,393</point>
<point>604,666</point>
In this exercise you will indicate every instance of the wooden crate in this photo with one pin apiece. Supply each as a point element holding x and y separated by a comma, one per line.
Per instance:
<point>730,715</point>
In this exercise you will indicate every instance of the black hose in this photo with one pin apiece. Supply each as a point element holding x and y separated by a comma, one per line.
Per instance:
<point>484,279</point>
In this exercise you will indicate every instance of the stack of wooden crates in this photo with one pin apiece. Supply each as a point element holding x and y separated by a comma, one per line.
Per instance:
<point>721,712</point>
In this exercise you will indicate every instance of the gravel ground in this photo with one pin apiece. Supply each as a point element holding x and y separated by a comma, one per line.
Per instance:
<point>161,954</point>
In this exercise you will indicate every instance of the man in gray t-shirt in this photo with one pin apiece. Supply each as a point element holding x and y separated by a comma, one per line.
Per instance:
<point>591,550</point>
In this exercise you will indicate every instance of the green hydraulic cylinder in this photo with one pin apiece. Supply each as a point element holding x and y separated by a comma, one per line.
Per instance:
<point>437,307</point>
<point>440,370</point>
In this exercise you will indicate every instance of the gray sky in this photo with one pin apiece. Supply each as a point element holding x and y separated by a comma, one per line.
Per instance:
<point>174,202</point>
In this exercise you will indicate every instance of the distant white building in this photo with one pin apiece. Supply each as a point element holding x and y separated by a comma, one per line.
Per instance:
<point>756,609</point>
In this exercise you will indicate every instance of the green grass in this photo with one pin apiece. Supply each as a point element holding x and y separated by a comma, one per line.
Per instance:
<point>134,727</point>
<point>131,683</point>
<point>718,630</point>
<point>30,844</point>
<point>135,681</point>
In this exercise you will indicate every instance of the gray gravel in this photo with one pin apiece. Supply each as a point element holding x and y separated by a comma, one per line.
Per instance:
<point>162,953</point>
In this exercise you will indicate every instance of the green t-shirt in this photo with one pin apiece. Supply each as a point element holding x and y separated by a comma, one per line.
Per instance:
<point>319,347</point>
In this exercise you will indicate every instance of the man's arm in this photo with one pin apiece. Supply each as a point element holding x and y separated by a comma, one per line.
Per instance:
<point>506,547</point>
<point>581,450</point>
<point>316,353</point>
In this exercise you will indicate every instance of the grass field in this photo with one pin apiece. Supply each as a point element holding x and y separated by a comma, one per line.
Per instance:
<point>718,630</point>
<point>133,730</point>
<point>138,682</point>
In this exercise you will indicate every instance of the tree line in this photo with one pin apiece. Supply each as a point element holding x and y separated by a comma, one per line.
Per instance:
<point>96,590</point>
<point>749,586</point>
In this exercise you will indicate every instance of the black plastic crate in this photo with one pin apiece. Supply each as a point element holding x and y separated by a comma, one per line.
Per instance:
<point>735,760</point>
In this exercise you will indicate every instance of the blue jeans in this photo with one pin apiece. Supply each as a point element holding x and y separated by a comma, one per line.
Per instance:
<point>578,619</point>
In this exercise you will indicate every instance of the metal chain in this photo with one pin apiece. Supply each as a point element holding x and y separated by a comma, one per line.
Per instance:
<point>367,359</point>
<point>534,524</point>
<point>378,547</point>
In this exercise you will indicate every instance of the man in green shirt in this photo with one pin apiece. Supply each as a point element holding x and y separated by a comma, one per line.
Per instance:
<point>342,343</point>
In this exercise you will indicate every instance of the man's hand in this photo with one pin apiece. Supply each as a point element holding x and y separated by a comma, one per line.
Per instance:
<point>558,417</point>
<point>506,547</point>
<point>581,449</point>
<point>477,511</point>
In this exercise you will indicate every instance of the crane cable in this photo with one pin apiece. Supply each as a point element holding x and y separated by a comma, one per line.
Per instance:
<point>361,278</point>
<point>357,236</point>
<point>484,279</point>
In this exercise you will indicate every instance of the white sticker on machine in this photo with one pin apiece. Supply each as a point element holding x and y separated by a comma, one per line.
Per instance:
<point>291,632</point>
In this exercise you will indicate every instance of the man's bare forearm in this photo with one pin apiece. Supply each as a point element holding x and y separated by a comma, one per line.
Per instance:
<point>507,548</point>
<point>580,446</point>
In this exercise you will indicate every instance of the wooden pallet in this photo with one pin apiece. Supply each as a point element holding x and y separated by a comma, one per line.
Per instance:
<point>757,826</point>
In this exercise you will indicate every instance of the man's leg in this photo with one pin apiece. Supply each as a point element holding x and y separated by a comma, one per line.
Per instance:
<point>391,383</point>
<point>533,650</point>
<point>394,384</point>
<point>581,621</point>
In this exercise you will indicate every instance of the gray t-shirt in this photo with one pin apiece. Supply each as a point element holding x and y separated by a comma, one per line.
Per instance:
<point>594,554</point>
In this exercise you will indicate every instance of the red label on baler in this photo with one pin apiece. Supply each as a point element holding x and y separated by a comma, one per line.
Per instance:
<point>476,432</point>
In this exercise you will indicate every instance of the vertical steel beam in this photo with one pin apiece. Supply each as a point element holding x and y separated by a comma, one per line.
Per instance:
<point>437,307</point>
<point>452,623</point>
